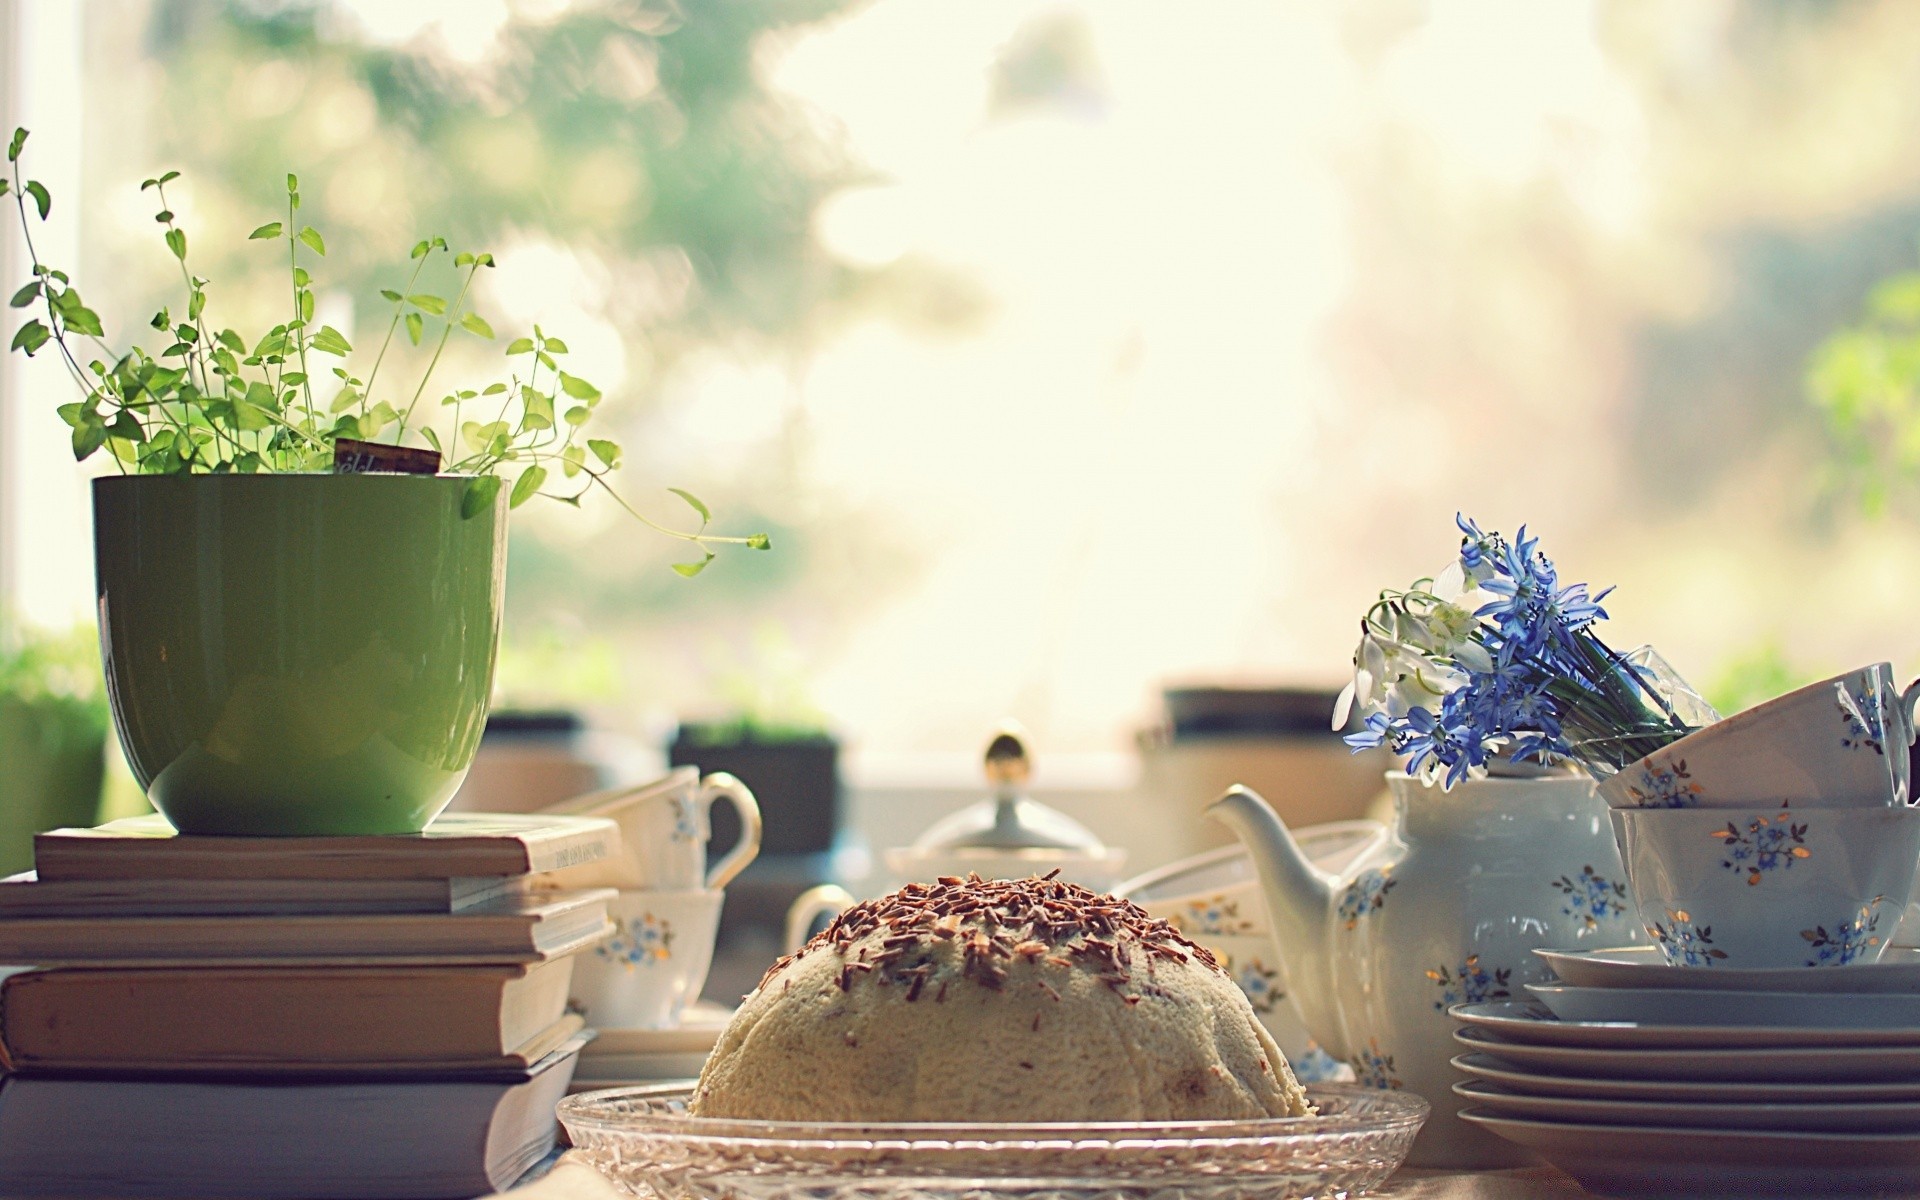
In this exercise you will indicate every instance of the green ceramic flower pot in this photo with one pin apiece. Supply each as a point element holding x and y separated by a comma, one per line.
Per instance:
<point>297,654</point>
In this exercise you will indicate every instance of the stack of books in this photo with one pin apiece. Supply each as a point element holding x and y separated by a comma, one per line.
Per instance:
<point>290,1017</point>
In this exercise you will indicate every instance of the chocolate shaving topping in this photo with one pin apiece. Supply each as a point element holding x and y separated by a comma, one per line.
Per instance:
<point>995,922</point>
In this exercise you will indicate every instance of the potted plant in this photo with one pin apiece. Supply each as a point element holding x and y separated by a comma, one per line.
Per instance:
<point>299,564</point>
<point>53,731</point>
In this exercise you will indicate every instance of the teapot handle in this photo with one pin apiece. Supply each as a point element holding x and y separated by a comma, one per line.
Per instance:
<point>719,785</point>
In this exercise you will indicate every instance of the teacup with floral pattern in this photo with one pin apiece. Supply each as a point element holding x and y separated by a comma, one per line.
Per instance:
<point>653,964</point>
<point>1840,742</point>
<point>1779,886</point>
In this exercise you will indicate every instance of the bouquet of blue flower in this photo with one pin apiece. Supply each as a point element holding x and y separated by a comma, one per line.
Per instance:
<point>1494,659</point>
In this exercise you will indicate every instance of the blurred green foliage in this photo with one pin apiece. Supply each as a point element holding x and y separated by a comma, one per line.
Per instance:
<point>1865,379</point>
<point>638,131</point>
<point>1760,672</point>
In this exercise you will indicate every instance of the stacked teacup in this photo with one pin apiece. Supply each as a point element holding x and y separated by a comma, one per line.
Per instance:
<point>1782,836</point>
<point>667,912</point>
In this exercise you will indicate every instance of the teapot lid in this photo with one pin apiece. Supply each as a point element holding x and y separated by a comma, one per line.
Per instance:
<point>1009,819</point>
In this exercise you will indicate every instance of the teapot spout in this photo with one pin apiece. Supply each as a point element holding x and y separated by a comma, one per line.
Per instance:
<point>1299,899</point>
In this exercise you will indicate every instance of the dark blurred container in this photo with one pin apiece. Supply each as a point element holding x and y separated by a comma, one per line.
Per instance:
<point>1279,741</point>
<point>794,776</point>
<point>1214,711</point>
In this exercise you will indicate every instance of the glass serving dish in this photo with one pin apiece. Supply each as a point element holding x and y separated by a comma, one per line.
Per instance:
<point>644,1140</point>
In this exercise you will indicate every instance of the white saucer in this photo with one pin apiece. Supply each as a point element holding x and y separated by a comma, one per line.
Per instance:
<point>1766,1064</point>
<point>698,1030</point>
<point>1781,1010</point>
<point>1884,1117</point>
<point>1642,967</point>
<point>1516,1079</point>
<point>1534,1025</point>
<point>1647,1160</point>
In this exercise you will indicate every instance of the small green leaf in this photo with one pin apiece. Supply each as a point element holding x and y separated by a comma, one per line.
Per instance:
<point>347,398</point>
<point>539,408</point>
<point>479,496</point>
<point>72,413</point>
<point>43,202</point>
<point>310,237</point>
<point>604,450</point>
<point>301,278</point>
<point>271,229</point>
<point>231,341</point>
<point>293,183</point>
<point>578,415</point>
<point>520,346</point>
<point>177,242</point>
<point>169,177</point>
<point>414,326</point>
<point>428,303</point>
<point>759,541</point>
<point>433,439</point>
<point>306,305</point>
<point>577,387</point>
<point>473,323</point>
<point>462,259</point>
<point>525,487</point>
<point>693,502</point>
<point>573,460</point>
<point>690,569</point>
<point>13,148</point>
<point>88,437</point>
<point>163,216</point>
<point>248,416</point>
<point>420,250</point>
<point>26,295</point>
<point>331,341</point>
<point>494,389</point>
<point>391,295</point>
<point>31,336</point>
<point>378,418</point>
<point>556,346</point>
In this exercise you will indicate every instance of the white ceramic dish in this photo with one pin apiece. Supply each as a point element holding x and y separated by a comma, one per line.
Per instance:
<point>1644,967</point>
<point>1537,1083</point>
<point>1522,1021</point>
<point>695,1033</point>
<point>1649,1161</point>
<point>1894,1117</point>
<point>1791,1011</point>
<point>1774,1064</point>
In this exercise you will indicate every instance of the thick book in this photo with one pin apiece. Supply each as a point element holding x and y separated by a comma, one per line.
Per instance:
<point>415,1139</point>
<point>527,928</point>
<point>26,895</point>
<point>455,845</point>
<point>282,1018</point>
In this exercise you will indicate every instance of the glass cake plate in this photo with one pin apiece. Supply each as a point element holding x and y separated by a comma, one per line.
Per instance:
<point>644,1140</point>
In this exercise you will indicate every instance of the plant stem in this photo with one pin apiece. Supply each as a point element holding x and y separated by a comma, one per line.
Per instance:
<point>445,334</point>
<point>300,334</point>
<point>418,266</point>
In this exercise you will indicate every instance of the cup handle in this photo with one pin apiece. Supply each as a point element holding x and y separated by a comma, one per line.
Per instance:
<point>713,787</point>
<point>807,908</point>
<point>1908,699</point>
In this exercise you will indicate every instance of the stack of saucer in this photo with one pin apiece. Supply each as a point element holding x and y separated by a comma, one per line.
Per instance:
<point>1641,1078</point>
<point>618,1057</point>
